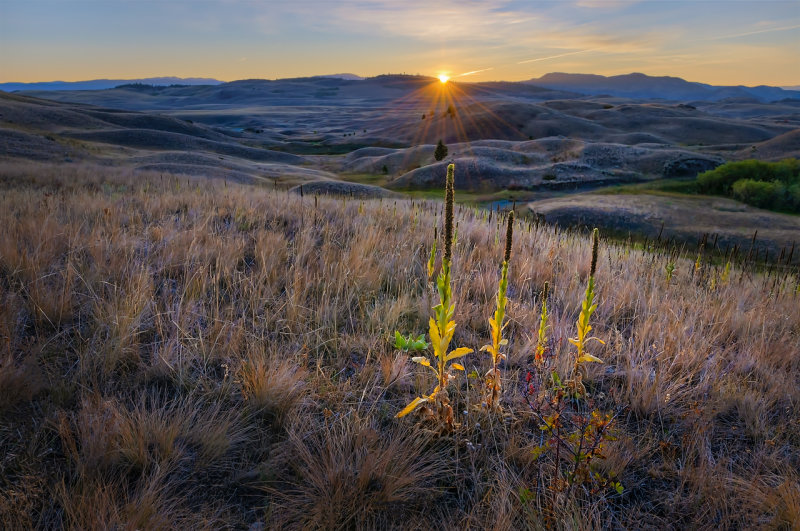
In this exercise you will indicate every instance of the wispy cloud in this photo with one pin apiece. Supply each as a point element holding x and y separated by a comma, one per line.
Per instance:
<point>419,19</point>
<point>756,32</point>
<point>555,56</point>
<point>473,72</point>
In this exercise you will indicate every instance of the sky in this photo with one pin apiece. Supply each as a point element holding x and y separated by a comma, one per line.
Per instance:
<point>722,42</point>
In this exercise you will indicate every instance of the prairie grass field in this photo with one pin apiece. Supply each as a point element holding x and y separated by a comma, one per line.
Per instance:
<point>199,354</point>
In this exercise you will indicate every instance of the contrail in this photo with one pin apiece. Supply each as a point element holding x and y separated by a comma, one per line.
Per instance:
<point>523,62</point>
<point>784,28</point>
<point>556,56</point>
<point>473,72</point>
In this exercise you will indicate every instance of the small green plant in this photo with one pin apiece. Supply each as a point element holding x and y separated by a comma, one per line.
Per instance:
<point>726,273</point>
<point>432,257</point>
<point>541,336</point>
<point>410,343</point>
<point>442,326</point>
<point>698,264</point>
<point>493,383</point>
<point>670,269</point>
<point>574,432</point>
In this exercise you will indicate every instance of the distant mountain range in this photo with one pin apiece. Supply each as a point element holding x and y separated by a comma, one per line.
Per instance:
<point>641,86</point>
<point>100,84</point>
<point>349,77</point>
<point>634,86</point>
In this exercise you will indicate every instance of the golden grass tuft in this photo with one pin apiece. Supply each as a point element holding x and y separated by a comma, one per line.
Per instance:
<point>346,473</point>
<point>272,386</point>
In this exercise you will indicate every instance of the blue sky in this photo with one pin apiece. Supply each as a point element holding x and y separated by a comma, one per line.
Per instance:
<point>714,41</point>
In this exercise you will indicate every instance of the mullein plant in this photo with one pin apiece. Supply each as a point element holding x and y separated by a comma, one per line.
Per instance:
<point>573,432</point>
<point>493,382</point>
<point>541,336</point>
<point>442,326</point>
<point>587,309</point>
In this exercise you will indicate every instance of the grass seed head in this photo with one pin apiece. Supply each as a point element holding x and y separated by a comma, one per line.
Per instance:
<point>509,236</point>
<point>595,244</point>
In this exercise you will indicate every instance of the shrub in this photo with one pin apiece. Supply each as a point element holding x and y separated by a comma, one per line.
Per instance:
<point>757,183</point>
<point>793,193</point>
<point>760,193</point>
<point>440,152</point>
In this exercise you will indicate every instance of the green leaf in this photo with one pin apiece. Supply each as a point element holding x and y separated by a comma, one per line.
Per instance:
<point>399,343</point>
<point>418,345</point>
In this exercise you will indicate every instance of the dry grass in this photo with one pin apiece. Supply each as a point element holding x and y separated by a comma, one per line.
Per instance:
<point>186,354</point>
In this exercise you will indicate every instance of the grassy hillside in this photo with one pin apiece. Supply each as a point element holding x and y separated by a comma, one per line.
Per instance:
<point>672,210</point>
<point>182,354</point>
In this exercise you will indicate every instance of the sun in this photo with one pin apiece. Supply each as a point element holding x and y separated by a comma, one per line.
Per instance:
<point>443,78</point>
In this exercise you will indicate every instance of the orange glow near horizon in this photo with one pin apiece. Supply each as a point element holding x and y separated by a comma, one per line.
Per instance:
<point>443,78</point>
<point>750,42</point>
<point>451,112</point>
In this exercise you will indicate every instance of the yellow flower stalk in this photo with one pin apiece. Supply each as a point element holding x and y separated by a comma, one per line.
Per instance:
<point>442,326</point>
<point>496,323</point>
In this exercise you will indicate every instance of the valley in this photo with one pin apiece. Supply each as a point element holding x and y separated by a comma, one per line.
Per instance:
<point>510,141</point>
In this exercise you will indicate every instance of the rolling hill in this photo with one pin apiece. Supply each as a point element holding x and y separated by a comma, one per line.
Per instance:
<point>641,86</point>
<point>100,84</point>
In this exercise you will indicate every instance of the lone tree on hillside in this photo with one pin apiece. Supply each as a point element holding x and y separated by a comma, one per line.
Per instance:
<point>441,151</point>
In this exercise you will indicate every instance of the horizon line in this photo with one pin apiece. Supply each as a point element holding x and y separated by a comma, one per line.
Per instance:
<point>433,77</point>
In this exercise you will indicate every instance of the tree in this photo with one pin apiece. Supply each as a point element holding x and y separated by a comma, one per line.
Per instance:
<point>441,151</point>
